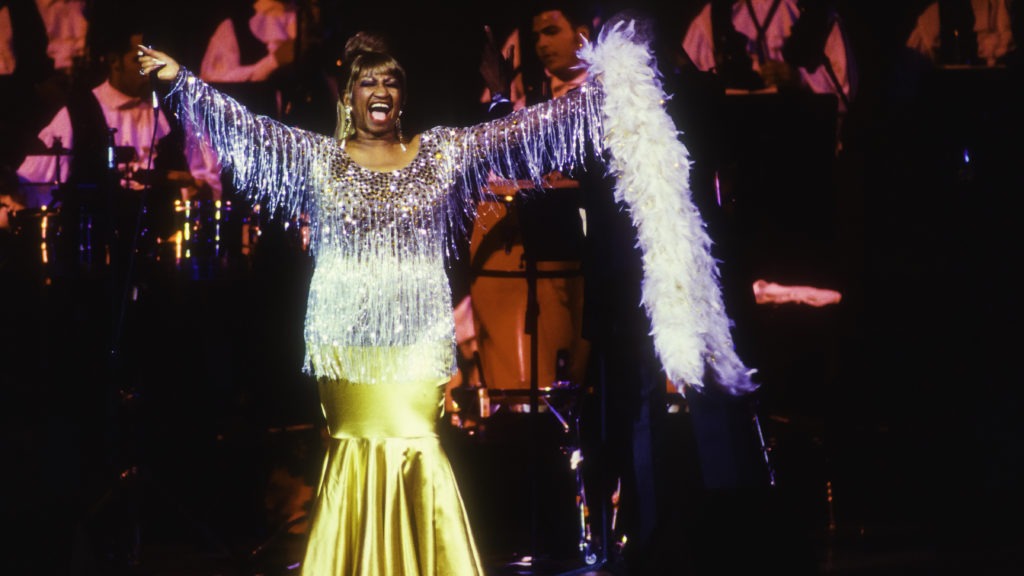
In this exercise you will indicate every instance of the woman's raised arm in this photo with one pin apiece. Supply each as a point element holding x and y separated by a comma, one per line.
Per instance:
<point>272,164</point>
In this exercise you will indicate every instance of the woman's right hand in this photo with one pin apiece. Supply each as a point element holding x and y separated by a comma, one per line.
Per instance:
<point>154,60</point>
<point>496,68</point>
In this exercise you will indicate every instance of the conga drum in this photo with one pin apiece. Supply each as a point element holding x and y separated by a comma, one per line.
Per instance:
<point>206,237</point>
<point>509,280</point>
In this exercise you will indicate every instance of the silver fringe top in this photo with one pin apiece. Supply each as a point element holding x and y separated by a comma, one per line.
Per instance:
<point>379,307</point>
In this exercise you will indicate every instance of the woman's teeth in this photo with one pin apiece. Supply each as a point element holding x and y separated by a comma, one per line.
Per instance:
<point>379,112</point>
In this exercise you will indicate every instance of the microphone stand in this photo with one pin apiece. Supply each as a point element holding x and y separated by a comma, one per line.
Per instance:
<point>132,472</point>
<point>124,292</point>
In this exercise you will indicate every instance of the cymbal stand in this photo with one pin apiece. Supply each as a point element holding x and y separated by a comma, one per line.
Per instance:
<point>571,425</point>
<point>58,145</point>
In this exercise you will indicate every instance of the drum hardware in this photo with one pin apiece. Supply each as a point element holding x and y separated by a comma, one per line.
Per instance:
<point>56,148</point>
<point>294,232</point>
<point>485,402</point>
<point>561,402</point>
<point>147,177</point>
<point>548,229</point>
<point>70,237</point>
<point>766,450</point>
<point>123,155</point>
<point>33,222</point>
<point>53,185</point>
<point>251,230</point>
<point>75,227</point>
<point>200,243</point>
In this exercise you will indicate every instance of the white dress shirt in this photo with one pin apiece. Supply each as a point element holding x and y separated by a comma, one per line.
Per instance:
<point>699,43</point>
<point>273,24</point>
<point>133,118</point>
<point>66,27</point>
<point>991,26</point>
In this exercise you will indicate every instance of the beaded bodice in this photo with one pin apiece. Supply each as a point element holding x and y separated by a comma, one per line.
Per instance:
<point>379,288</point>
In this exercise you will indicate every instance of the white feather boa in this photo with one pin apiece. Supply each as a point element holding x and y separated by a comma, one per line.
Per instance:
<point>681,288</point>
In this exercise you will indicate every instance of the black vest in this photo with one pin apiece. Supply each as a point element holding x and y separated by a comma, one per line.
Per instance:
<point>260,97</point>
<point>91,141</point>
<point>732,63</point>
<point>89,160</point>
<point>250,49</point>
<point>958,43</point>
<point>29,40</point>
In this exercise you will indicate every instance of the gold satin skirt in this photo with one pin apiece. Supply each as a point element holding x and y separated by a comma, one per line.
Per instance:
<point>387,503</point>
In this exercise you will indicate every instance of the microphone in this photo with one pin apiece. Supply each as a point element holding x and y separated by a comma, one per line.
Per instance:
<point>152,89</point>
<point>111,149</point>
<point>153,80</point>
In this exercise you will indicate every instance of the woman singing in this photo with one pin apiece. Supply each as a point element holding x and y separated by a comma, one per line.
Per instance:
<point>384,212</point>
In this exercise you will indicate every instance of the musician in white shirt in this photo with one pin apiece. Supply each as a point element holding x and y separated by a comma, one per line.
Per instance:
<point>126,101</point>
<point>992,30</point>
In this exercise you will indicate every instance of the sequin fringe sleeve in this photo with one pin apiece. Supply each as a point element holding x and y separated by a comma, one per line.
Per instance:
<point>558,134</point>
<point>272,164</point>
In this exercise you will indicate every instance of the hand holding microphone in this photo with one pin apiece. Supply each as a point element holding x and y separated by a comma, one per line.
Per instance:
<point>155,62</point>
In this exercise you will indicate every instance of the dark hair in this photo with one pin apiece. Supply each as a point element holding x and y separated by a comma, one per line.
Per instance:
<point>369,51</point>
<point>577,12</point>
<point>110,32</point>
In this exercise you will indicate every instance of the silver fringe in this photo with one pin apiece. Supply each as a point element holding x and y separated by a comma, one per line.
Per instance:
<point>379,307</point>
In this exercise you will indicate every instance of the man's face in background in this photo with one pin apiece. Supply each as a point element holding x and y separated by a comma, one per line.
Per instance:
<point>556,42</point>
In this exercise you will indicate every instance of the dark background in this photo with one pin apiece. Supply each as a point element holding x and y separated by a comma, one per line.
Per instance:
<point>902,399</point>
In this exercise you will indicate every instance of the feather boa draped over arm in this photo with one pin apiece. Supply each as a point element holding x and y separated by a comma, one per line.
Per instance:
<point>681,290</point>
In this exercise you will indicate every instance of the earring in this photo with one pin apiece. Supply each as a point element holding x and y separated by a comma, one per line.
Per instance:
<point>398,129</point>
<point>344,127</point>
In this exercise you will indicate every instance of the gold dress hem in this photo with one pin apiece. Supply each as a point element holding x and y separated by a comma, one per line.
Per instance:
<point>387,503</point>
